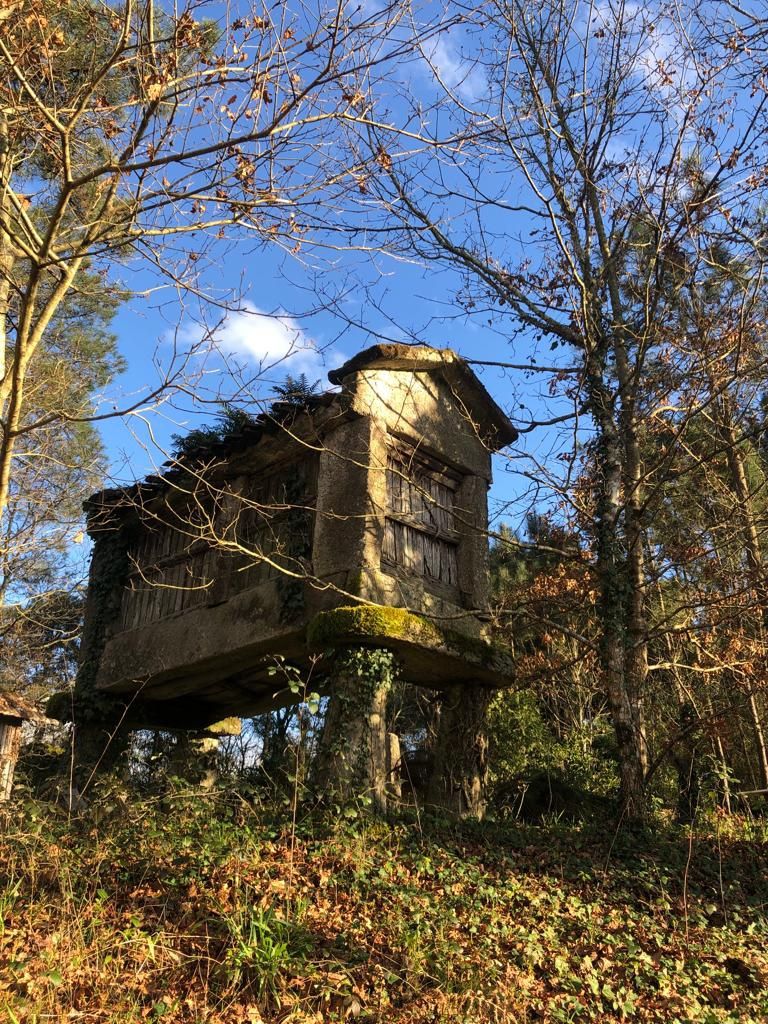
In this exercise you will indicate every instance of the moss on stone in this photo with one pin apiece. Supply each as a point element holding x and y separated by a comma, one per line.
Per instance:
<point>471,647</point>
<point>371,622</point>
<point>374,623</point>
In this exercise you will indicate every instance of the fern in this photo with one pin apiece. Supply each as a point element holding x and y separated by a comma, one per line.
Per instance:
<point>230,421</point>
<point>294,395</point>
<point>295,390</point>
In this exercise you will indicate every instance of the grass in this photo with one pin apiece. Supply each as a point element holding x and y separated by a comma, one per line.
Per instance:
<point>187,910</point>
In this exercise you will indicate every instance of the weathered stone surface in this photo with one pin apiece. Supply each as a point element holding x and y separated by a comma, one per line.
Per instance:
<point>394,767</point>
<point>487,420</point>
<point>353,763</point>
<point>194,758</point>
<point>432,654</point>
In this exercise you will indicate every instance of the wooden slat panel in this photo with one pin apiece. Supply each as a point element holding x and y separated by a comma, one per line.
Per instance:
<point>136,599</point>
<point>450,569</point>
<point>207,572</point>
<point>431,550</point>
<point>420,533</point>
<point>163,598</point>
<point>133,605</point>
<point>170,569</point>
<point>131,599</point>
<point>140,600</point>
<point>158,600</point>
<point>179,577</point>
<point>389,546</point>
<point>10,744</point>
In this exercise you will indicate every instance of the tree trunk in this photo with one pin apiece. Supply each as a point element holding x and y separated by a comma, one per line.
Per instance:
<point>7,263</point>
<point>352,762</point>
<point>685,761</point>
<point>757,726</point>
<point>460,768</point>
<point>636,659</point>
<point>617,604</point>
<point>724,784</point>
<point>684,755</point>
<point>740,488</point>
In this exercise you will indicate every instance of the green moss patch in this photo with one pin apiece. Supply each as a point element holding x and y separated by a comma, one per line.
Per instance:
<point>371,622</point>
<point>375,623</point>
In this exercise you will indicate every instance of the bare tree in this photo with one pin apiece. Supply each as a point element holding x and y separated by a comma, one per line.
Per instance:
<point>140,136</point>
<point>553,172</point>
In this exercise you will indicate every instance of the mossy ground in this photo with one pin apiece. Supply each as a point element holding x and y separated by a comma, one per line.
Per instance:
<point>188,910</point>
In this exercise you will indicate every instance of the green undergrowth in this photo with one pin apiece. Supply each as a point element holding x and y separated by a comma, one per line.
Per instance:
<point>208,910</point>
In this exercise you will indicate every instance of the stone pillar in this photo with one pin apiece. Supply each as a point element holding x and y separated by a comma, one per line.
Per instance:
<point>472,523</point>
<point>193,759</point>
<point>352,761</point>
<point>98,744</point>
<point>10,742</point>
<point>460,766</point>
<point>394,760</point>
<point>100,734</point>
<point>346,543</point>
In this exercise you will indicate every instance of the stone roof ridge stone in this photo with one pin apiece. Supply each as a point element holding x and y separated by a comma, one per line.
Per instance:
<point>399,356</point>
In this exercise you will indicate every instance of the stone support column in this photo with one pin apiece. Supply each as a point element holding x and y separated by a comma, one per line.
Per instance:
<point>98,744</point>
<point>100,734</point>
<point>353,756</point>
<point>394,763</point>
<point>194,758</point>
<point>460,767</point>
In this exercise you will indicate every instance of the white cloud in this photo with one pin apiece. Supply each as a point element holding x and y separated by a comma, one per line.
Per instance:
<point>268,340</point>
<point>662,66</point>
<point>455,71</point>
<point>660,54</point>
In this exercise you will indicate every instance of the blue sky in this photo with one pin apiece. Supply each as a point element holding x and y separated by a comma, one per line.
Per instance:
<point>282,325</point>
<point>271,336</point>
<point>279,325</point>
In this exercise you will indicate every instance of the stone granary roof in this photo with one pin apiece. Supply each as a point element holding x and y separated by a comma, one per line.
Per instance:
<point>491,421</point>
<point>12,706</point>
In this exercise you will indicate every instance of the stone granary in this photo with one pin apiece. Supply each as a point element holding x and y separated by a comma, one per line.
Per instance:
<point>345,521</point>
